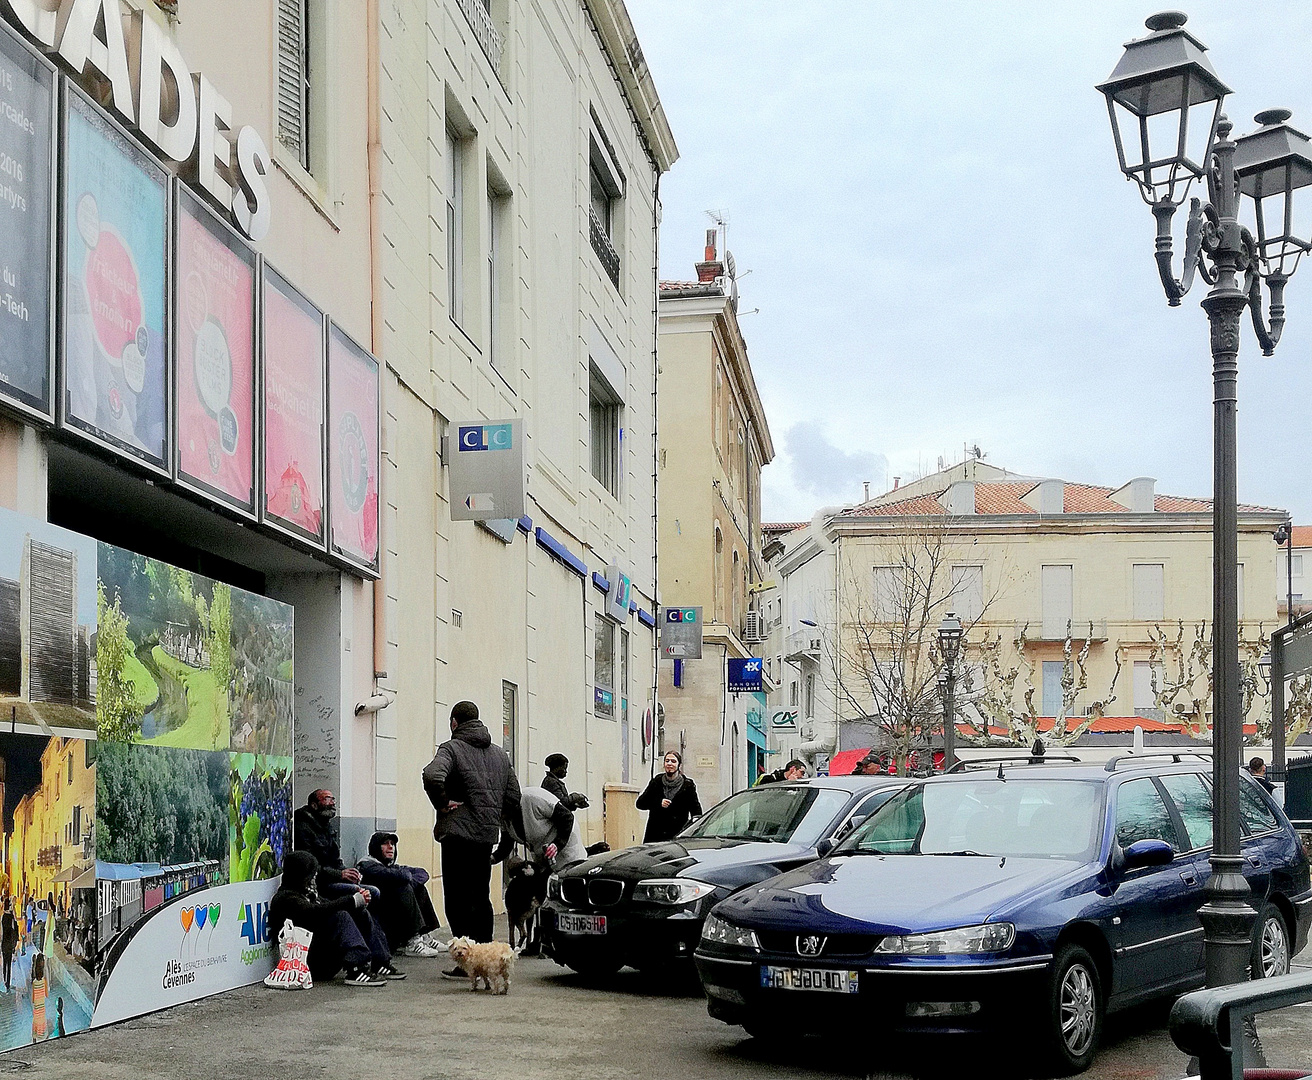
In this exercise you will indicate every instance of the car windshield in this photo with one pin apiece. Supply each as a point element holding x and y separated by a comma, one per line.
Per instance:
<point>776,812</point>
<point>1024,818</point>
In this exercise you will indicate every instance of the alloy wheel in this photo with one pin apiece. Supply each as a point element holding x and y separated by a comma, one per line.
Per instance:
<point>1274,947</point>
<point>1078,1009</point>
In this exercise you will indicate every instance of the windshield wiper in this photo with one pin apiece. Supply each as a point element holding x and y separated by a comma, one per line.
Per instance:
<point>963,851</point>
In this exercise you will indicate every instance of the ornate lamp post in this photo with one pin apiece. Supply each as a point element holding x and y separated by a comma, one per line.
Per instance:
<point>1165,84</point>
<point>950,633</point>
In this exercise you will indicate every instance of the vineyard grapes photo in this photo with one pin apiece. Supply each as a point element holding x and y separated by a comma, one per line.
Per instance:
<point>259,816</point>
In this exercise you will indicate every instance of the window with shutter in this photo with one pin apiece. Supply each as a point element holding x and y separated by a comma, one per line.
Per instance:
<point>294,79</point>
<point>1149,591</point>
<point>1055,585</point>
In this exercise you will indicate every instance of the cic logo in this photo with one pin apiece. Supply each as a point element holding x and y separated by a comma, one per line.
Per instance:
<point>681,615</point>
<point>487,437</point>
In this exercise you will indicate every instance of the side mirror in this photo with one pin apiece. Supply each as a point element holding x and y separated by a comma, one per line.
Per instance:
<point>1147,853</point>
<point>824,848</point>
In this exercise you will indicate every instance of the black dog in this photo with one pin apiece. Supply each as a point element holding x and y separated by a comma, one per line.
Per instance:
<point>526,891</point>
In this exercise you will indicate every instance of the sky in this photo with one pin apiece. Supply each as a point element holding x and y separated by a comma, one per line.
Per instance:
<point>925,205</point>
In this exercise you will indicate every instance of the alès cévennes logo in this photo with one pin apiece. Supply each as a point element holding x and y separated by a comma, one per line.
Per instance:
<point>198,924</point>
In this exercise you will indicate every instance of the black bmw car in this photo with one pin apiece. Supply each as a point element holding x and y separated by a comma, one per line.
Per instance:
<point>645,905</point>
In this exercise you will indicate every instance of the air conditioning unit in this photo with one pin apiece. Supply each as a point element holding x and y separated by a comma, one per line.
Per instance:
<point>753,629</point>
<point>814,645</point>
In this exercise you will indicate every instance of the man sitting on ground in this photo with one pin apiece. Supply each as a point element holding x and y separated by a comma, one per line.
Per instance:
<point>344,934</point>
<point>314,831</point>
<point>794,770</point>
<point>403,909</point>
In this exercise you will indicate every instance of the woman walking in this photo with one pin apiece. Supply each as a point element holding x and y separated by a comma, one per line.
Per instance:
<point>38,997</point>
<point>671,799</point>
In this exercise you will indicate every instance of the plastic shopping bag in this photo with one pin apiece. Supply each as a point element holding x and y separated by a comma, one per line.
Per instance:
<point>292,971</point>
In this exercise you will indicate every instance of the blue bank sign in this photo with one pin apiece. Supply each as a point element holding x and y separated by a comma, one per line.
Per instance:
<point>744,675</point>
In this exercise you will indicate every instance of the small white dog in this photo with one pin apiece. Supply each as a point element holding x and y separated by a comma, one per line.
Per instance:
<point>491,961</point>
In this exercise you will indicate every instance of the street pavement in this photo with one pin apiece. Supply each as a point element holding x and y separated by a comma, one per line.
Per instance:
<point>555,1026</point>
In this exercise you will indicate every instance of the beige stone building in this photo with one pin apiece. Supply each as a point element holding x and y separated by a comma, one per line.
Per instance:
<point>1032,558</point>
<point>714,441</point>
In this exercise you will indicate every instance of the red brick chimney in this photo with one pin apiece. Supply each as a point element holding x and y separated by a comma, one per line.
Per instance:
<point>711,268</point>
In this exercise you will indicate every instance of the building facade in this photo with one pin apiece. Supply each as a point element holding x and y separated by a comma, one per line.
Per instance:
<point>1085,608</point>
<point>714,441</point>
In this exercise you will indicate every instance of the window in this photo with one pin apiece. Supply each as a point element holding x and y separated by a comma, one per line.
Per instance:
<point>1056,586</point>
<point>719,575</point>
<point>603,666</point>
<point>600,204</point>
<point>810,694</point>
<point>495,213</point>
<point>1149,591</point>
<point>70,770</point>
<point>455,234</point>
<point>1257,815</point>
<point>792,694</point>
<point>509,717</point>
<point>887,595</point>
<point>605,190</point>
<point>294,79</point>
<point>604,406</point>
<point>624,678</point>
<point>1296,562</point>
<point>1053,670</point>
<point>1194,801</point>
<point>968,592</point>
<point>737,593</point>
<point>1145,700</point>
<point>77,824</point>
<point>1141,814</point>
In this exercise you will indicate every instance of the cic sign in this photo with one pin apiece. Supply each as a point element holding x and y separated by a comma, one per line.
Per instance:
<point>178,113</point>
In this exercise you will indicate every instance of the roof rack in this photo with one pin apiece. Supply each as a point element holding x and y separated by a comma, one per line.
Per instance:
<point>1113,763</point>
<point>1011,759</point>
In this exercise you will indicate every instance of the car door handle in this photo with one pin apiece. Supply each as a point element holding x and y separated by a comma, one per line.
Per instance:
<point>1255,861</point>
<point>1188,877</point>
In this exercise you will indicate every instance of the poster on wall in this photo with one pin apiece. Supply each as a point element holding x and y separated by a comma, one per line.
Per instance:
<point>214,356</point>
<point>292,414</point>
<point>27,247</point>
<point>263,694</point>
<point>49,889</point>
<point>353,464</point>
<point>47,626</point>
<point>113,287</point>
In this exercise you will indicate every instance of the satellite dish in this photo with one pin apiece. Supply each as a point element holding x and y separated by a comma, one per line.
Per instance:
<point>731,264</point>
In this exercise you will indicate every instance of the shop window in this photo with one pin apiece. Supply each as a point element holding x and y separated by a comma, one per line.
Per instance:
<point>509,718</point>
<point>603,667</point>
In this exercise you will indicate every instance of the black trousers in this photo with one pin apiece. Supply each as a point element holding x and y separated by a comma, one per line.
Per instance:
<point>347,939</point>
<point>404,912</point>
<point>467,887</point>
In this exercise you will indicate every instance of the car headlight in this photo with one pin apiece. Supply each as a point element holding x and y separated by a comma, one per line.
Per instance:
<point>671,891</point>
<point>553,887</point>
<point>718,932</point>
<point>987,938</point>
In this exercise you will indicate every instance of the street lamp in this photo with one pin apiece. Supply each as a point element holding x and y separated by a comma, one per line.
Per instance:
<point>1164,84</point>
<point>950,634</point>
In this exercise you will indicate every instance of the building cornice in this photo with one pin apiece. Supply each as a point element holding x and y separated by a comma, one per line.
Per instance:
<point>852,527</point>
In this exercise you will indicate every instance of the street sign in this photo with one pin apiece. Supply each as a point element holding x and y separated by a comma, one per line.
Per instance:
<point>618,594</point>
<point>681,633</point>
<point>1298,653</point>
<point>486,460</point>
<point>744,675</point>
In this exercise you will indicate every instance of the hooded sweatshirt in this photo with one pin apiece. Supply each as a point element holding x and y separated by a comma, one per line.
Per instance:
<point>298,898</point>
<point>388,873</point>
<point>547,820</point>
<point>470,771</point>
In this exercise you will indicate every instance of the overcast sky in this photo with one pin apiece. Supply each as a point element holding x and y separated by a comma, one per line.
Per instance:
<point>944,251</point>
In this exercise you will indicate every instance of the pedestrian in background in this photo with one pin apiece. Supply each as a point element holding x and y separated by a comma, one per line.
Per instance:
<point>8,940</point>
<point>38,996</point>
<point>671,799</point>
<point>474,790</point>
<point>794,770</point>
<point>1258,768</point>
<point>557,769</point>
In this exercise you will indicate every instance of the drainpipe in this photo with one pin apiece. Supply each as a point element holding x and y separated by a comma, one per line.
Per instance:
<point>375,152</point>
<point>655,466</point>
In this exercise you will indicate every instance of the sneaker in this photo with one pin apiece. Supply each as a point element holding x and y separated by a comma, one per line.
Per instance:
<point>455,973</point>
<point>386,971</point>
<point>436,942</point>
<point>418,946</point>
<point>361,977</point>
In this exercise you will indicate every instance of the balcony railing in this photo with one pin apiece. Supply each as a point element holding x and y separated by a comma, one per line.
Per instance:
<point>488,38</point>
<point>605,250</point>
<point>1080,630</point>
<point>802,644</point>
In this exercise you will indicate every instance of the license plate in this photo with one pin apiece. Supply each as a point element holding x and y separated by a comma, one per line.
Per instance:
<point>791,978</point>
<point>580,924</point>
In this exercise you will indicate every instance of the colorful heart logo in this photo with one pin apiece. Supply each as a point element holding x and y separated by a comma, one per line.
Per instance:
<point>214,915</point>
<point>201,913</point>
<point>187,915</point>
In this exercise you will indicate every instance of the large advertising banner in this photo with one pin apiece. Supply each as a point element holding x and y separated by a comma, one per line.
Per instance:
<point>293,410</point>
<point>27,170</point>
<point>353,449</point>
<point>214,343</point>
<point>115,224</point>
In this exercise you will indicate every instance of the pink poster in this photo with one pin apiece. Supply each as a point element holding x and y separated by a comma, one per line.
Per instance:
<point>215,339</point>
<point>352,449</point>
<point>293,409</point>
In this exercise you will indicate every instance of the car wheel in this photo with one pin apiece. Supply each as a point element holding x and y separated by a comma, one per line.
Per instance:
<point>1075,1009</point>
<point>1270,944</point>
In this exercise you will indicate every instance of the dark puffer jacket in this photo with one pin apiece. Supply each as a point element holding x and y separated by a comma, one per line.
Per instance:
<point>298,900</point>
<point>311,833</point>
<point>470,771</point>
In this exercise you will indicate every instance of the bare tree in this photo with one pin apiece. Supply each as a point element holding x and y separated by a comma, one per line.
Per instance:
<point>1182,677</point>
<point>881,658</point>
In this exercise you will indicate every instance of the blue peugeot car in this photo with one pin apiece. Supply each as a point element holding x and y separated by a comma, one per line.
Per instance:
<point>1037,889</point>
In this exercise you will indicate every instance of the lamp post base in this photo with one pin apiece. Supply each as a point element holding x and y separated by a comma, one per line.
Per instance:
<point>1227,919</point>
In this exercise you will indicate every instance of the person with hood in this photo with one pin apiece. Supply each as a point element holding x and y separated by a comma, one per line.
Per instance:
<point>546,829</point>
<point>344,933</point>
<point>671,799</point>
<point>314,831</point>
<point>403,909</point>
<point>473,788</point>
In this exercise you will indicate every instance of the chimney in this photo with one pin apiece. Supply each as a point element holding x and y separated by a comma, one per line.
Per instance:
<point>866,485</point>
<point>1139,496</point>
<point>896,480</point>
<point>959,499</point>
<point>711,268</point>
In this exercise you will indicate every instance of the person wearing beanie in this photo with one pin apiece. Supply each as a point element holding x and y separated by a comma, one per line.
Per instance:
<point>403,909</point>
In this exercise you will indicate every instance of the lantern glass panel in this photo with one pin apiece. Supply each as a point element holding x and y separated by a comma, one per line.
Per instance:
<point>1165,152</point>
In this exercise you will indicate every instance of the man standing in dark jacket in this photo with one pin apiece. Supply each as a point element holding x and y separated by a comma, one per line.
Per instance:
<point>404,909</point>
<point>473,788</point>
<point>344,933</point>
